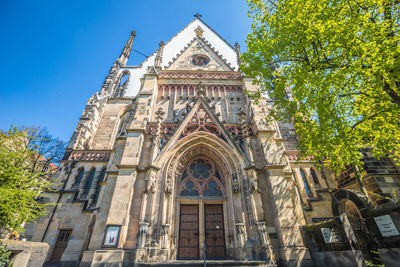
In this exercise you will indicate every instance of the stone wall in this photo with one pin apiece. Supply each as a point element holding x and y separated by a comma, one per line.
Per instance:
<point>27,254</point>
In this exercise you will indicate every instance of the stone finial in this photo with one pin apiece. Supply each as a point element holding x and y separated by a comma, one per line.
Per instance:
<point>157,129</point>
<point>237,49</point>
<point>201,89</point>
<point>123,58</point>
<point>243,125</point>
<point>159,114</point>
<point>199,31</point>
<point>158,59</point>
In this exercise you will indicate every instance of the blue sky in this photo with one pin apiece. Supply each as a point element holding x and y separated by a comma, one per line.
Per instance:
<point>55,54</point>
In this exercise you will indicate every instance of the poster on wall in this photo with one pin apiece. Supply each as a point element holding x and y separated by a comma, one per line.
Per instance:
<point>386,225</point>
<point>112,235</point>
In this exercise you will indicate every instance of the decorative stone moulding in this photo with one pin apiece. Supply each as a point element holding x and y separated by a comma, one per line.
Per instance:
<point>193,87</point>
<point>293,156</point>
<point>199,75</point>
<point>88,155</point>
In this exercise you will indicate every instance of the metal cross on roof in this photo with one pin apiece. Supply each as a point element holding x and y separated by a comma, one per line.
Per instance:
<point>197,15</point>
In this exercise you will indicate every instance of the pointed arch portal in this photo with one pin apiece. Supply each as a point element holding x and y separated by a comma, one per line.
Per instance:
<point>199,202</point>
<point>202,184</point>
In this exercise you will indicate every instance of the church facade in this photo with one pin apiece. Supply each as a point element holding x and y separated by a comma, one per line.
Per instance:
<point>172,161</point>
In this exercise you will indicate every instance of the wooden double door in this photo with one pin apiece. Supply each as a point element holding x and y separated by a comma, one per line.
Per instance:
<point>189,228</point>
<point>62,242</point>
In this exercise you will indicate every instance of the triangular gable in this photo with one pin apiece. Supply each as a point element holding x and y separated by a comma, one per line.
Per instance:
<point>175,45</point>
<point>199,46</point>
<point>200,118</point>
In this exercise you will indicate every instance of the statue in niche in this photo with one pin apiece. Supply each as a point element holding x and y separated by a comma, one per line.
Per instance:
<point>253,184</point>
<point>235,184</point>
<point>142,234</point>
<point>169,185</point>
<point>150,183</point>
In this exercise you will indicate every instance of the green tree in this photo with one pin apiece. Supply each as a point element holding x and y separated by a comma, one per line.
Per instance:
<point>5,254</point>
<point>333,68</point>
<point>24,173</point>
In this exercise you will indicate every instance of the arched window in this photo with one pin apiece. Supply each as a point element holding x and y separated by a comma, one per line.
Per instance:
<point>78,177</point>
<point>98,186</point>
<point>305,182</point>
<point>89,181</point>
<point>122,84</point>
<point>201,178</point>
<point>315,177</point>
<point>124,79</point>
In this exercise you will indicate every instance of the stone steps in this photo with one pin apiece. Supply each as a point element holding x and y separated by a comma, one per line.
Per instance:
<point>209,263</point>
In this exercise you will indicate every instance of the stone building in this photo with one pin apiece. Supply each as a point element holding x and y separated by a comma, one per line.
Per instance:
<point>172,161</point>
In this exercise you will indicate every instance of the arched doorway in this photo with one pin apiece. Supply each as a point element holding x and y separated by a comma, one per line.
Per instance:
<point>201,197</point>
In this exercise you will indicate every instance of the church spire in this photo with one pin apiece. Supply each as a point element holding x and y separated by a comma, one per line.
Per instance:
<point>123,58</point>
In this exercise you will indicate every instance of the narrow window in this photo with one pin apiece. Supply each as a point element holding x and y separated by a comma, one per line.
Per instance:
<point>315,177</point>
<point>89,181</point>
<point>78,177</point>
<point>98,186</point>
<point>305,182</point>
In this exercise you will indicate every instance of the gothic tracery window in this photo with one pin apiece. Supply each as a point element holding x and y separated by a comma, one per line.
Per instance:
<point>89,181</point>
<point>199,60</point>
<point>305,182</point>
<point>201,178</point>
<point>315,177</point>
<point>98,185</point>
<point>78,177</point>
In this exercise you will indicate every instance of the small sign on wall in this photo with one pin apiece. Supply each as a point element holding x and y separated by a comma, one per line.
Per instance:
<point>386,225</point>
<point>327,235</point>
<point>112,235</point>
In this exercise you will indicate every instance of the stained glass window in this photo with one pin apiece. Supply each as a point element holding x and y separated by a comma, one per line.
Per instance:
<point>199,60</point>
<point>200,169</point>
<point>212,189</point>
<point>201,178</point>
<point>189,189</point>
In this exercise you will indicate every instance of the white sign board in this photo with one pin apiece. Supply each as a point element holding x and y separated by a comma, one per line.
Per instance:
<point>386,225</point>
<point>327,234</point>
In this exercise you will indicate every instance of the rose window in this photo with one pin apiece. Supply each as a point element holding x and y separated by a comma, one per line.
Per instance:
<point>199,60</point>
<point>201,178</point>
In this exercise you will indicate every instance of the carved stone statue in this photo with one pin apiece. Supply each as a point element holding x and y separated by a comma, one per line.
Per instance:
<point>169,187</point>
<point>253,184</point>
<point>142,233</point>
<point>235,184</point>
<point>263,233</point>
<point>241,232</point>
<point>150,183</point>
<point>164,235</point>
